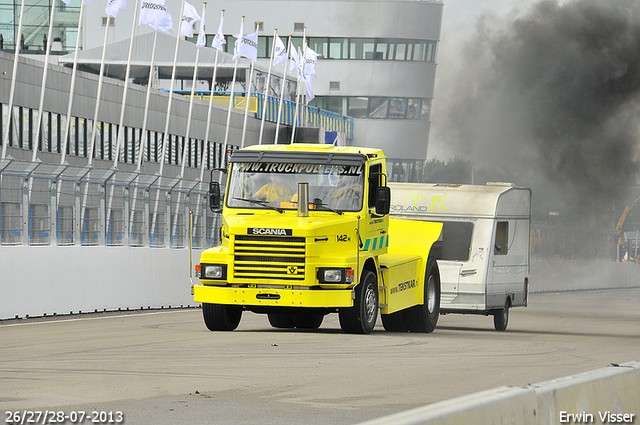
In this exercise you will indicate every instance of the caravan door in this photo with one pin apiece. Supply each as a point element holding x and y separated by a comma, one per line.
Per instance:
<point>456,250</point>
<point>449,281</point>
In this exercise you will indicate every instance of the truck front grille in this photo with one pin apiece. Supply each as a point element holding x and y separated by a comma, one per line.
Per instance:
<point>269,257</point>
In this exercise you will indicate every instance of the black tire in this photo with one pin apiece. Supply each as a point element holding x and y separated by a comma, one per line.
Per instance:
<point>361,318</point>
<point>501,317</point>
<point>394,322</point>
<point>307,321</point>
<point>220,317</point>
<point>423,318</point>
<point>280,320</point>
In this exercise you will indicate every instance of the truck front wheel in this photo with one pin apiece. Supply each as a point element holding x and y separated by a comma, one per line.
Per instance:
<point>361,318</point>
<point>220,317</point>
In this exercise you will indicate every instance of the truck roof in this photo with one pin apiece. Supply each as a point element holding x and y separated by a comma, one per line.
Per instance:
<point>306,154</point>
<point>313,147</point>
<point>453,200</point>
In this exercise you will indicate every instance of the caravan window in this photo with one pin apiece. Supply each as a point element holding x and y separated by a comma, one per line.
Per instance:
<point>455,241</point>
<point>502,237</point>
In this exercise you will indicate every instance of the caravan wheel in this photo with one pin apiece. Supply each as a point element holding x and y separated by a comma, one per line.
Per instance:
<point>501,317</point>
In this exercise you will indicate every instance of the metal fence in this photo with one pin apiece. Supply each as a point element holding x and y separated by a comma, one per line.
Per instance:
<point>44,204</point>
<point>551,241</point>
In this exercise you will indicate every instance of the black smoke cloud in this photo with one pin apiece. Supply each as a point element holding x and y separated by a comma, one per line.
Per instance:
<point>555,94</point>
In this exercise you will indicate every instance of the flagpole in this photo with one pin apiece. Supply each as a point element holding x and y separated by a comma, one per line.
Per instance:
<point>246,106</point>
<point>44,84</point>
<point>208,127</point>
<point>16,56</point>
<point>168,115</point>
<point>193,88</point>
<point>74,72</point>
<point>166,126</point>
<point>284,81</point>
<point>295,114</point>
<point>186,137</point>
<point>233,82</point>
<point>120,135</point>
<point>143,136</point>
<point>100,80</point>
<point>95,121</point>
<point>300,71</point>
<point>266,88</point>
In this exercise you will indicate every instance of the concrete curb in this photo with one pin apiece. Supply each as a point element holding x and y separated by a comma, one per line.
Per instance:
<point>590,396</point>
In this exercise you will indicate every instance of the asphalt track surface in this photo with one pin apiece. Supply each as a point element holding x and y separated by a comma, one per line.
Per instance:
<point>164,367</point>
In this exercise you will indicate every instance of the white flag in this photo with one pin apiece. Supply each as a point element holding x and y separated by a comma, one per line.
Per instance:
<point>246,46</point>
<point>295,61</point>
<point>83,1</point>
<point>202,35</point>
<point>115,6</point>
<point>307,83</point>
<point>310,61</point>
<point>279,52</point>
<point>66,2</point>
<point>189,17</point>
<point>219,39</point>
<point>155,14</point>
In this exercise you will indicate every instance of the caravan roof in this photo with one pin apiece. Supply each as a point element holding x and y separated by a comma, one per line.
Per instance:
<point>437,200</point>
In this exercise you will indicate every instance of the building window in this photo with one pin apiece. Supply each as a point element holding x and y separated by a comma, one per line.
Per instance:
<point>298,26</point>
<point>358,107</point>
<point>334,85</point>
<point>398,108</point>
<point>320,45</point>
<point>340,48</point>
<point>112,21</point>
<point>374,107</point>
<point>378,107</point>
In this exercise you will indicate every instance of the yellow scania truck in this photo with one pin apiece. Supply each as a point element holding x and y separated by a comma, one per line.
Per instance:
<point>306,232</point>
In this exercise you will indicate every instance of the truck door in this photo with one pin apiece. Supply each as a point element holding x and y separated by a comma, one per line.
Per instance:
<point>376,237</point>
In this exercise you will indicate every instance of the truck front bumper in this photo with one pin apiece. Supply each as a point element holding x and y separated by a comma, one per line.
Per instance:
<point>273,297</point>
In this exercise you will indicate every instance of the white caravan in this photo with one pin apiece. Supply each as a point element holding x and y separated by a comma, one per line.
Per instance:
<point>484,250</point>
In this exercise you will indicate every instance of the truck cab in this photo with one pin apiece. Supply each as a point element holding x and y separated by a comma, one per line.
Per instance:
<point>303,230</point>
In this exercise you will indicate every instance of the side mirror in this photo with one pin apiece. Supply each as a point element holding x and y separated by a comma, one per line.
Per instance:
<point>214,196</point>
<point>383,200</point>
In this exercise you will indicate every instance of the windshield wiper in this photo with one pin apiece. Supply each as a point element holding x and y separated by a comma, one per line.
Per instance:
<point>260,202</point>
<point>318,203</point>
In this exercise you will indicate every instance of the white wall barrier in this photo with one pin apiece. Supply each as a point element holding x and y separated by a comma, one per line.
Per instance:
<point>603,396</point>
<point>570,275</point>
<point>47,280</point>
<point>39,280</point>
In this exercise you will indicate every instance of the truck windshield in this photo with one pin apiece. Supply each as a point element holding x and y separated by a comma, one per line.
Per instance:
<point>331,187</point>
